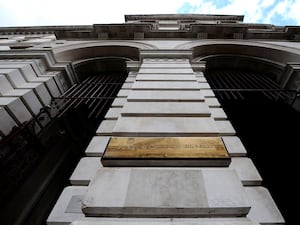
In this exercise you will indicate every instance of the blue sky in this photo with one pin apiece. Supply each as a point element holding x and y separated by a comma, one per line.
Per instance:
<point>70,12</point>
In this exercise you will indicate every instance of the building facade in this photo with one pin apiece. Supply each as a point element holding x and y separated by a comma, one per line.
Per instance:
<point>141,100</point>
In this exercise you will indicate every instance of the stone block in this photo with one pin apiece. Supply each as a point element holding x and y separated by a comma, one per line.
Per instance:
<point>127,86</point>
<point>130,80</point>
<point>165,126</point>
<point>123,93</point>
<point>201,79</point>
<point>85,171</point>
<point>14,106</point>
<point>171,109</point>
<point>166,65</point>
<point>246,171</point>
<point>138,192</point>
<point>119,102</point>
<point>167,221</point>
<point>212,102</point>
<point>97,146</point>
<point>234,146</point>
<point>164,85</point>
<point>204,86</point>
<point>165,77</point>
<point>167,70</point>
<point>165,96</point>
<point>208,93</point>
<point>106,127</point>
<point>113,114</point>
<point>68,207</point>
<point>225,128</point>
<point>263,208</point>
<point>7,123</point>
<point>218,114</point>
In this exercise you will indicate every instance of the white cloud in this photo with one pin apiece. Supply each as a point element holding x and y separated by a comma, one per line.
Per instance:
<point>70,12</point>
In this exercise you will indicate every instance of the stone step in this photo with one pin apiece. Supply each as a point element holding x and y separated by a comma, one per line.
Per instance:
<point>166,65</point>
<point>106,127</point>
<point>165,77</point>
<point>137,192</point>
<point>263,208</point>
<point>85,171</point>
<point>165,126</point>
<point>97,146</point>
<point>165,96</point>
<point>164,85</point>
<point>183,221</point>
<point>234,146</point>
<point>166,71</point>
<point>170,109</point>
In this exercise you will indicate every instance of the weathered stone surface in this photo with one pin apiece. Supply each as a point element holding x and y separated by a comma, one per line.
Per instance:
<point>85,171</point>
<point>119,102</point>
<point>218,113</point>
<point>165,221</point>
<point>263,208</point>
<point>17,108</point>
<point>167,70</point>
<point>123,93</point>
<point>164,85</point>
<point>234,146</point>
<point>113,114</point>
<point>97,146</point>
<point>106,127</point>
<point>225,128</point>
<point>165,96</point>
<point>208,93</point>
<point>204,85</point>
<point>127,86</point>
<point>165,126</point>
<point>165,109</point>
<point>68,207</point>
<point>121,192</point>
<point>246,171</point>
<point>212,102</point>
<point>165,77</point>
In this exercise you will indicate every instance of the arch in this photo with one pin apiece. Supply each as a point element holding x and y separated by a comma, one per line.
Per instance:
<point>80,50</point>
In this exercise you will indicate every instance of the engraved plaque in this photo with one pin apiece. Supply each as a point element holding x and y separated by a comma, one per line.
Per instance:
<point>165,151</point>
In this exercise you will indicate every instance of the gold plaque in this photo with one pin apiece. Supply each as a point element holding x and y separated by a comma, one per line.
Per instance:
<point>158,148</point>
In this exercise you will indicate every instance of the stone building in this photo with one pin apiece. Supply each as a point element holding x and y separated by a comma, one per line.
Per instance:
<point>153,121</point>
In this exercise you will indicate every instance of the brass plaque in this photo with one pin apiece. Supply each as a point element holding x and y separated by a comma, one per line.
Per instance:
<point>166,148</point>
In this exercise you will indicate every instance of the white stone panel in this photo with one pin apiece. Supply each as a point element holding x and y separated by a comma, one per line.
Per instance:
<point>106,127</point>
<point>164,85</point>
<point>85,171</point>
<point>246,171</point>
<point>97,146</point>
<point>194,109</point>
<point>218,114</point>
<point>212,102</point>
<point>225,128</point>
<point>165,96</point>
<point>234,146</point>
<point>165,126</point>
<point>119,102</point>
<point>165,77</point>
<point>170,192</point>
<point>113,114</point>
<point>263,208</point>
<point>123,93</point>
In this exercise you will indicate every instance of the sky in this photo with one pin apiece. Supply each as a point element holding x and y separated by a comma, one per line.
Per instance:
<point>88,12</point>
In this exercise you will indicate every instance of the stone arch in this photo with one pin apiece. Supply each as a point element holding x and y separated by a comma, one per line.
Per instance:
<point>263,57</point>
<point>81,51</point>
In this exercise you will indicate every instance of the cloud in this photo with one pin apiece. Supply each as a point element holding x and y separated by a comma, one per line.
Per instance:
<point>70,12</point>
<point>256,11</point>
